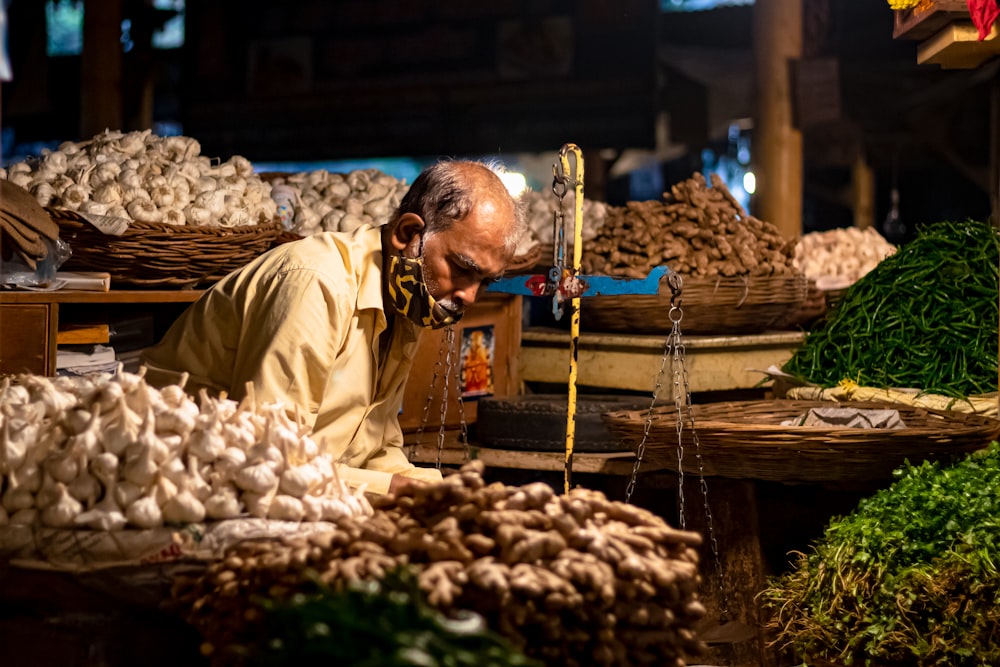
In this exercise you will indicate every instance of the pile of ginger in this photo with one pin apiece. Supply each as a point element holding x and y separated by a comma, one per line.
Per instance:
<point>696,230</point>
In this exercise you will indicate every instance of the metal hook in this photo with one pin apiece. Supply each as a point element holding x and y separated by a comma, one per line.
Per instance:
<point>676,284</point>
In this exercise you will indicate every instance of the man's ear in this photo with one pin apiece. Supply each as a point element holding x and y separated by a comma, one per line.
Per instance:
<point>407,228</point>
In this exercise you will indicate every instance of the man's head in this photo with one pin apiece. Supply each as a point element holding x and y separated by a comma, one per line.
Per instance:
<point>459,218</point>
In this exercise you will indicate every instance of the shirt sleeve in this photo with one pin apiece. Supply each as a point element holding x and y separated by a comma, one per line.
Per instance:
<point>289,341</point>
<point>381,467</point>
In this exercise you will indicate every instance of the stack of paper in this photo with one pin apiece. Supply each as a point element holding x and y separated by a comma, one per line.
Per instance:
<point>83,359</point>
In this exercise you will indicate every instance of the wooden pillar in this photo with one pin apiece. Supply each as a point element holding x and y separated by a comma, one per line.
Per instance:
<point>742,641</point>
<point>101,89</point>
<point>777,146</point>
<point>862,192</point>
<point>995,168</point>
<point>995,151</point>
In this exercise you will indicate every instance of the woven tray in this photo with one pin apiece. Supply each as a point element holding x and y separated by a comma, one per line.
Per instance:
<point>744,304</point>
<point>745,439</point>
<point>526,262</point>
<point>155,254</point>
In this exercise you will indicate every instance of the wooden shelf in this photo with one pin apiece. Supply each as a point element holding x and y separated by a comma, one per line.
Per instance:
<point>83,334</point>
<point>921,24</point>
<point>113,296</point>
<point>957,46</point>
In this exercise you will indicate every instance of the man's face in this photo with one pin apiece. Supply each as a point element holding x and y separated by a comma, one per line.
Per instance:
<point>461,261</point>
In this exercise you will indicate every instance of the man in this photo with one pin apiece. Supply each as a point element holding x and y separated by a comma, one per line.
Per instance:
<point>330,323</point>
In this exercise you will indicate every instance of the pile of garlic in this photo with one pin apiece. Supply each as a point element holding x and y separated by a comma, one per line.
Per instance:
<point>837,258</point>
<point>109,451</point>
<point>540,208</point>
<point>142,177</point>
<point>331,202</point>
<point>324,201</point>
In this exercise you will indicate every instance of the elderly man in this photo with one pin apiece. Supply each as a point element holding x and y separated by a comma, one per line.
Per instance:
<point>329,324</point>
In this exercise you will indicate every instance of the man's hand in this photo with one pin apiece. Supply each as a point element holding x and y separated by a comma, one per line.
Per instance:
<point>400,482</point>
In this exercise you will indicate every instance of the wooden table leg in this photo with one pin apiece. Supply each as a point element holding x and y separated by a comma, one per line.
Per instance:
<point>740,570</point>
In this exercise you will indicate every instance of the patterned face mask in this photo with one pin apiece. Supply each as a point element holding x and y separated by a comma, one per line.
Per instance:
<point>409,295</point>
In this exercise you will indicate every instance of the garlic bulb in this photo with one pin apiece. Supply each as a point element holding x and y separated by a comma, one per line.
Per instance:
<point>24,517</point>
<point>300,480</point>
<point>17,498</point>
<point>257,478</point>
<point>223,504</point>
<point>183,508</point>
<point>286,508</point>
<point>63,511</point>
<point>258,504</point>
<point>121,428</point>
<point>144,513</point>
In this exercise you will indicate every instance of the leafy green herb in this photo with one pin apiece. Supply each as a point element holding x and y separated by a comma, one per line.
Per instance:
<point>375,624</point>
<point>910,577</point>
<point>925,318</point>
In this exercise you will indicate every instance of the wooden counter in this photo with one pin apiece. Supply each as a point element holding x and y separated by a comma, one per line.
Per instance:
<point>29,321</point>
<point>621,361</point>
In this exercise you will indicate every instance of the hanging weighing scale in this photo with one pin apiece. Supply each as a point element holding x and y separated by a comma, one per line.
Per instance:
<point>563,282</point>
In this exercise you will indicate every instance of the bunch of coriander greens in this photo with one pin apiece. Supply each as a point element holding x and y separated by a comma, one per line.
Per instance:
<point>384,623</point>
<point>910,577</point>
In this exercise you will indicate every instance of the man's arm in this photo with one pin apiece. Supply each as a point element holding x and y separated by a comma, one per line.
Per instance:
<point>289,343</point>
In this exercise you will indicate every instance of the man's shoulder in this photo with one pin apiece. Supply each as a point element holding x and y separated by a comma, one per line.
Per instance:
<point>336,254</point>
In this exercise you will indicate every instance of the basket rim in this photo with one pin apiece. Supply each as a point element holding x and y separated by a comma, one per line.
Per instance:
<point>795,406</point>
<point>77,219</point>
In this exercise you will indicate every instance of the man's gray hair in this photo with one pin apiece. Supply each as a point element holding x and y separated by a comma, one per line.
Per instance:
<point>443,194</point>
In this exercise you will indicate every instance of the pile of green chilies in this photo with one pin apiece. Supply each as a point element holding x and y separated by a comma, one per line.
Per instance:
<point>924,318</point>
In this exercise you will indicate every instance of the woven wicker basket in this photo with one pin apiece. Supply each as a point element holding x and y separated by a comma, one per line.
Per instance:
<point>526,262</point>
<point>743,304</point>
<point>153,254</point>
<point>745,439</point>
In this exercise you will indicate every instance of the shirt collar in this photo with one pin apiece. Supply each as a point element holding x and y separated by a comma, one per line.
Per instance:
<point>370,273</point>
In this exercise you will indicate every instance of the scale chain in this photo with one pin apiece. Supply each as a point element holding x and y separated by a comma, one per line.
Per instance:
<point>675,349</point>
<point>640,451</point>
<point>449,339</point>
<point>461,404</point>
<point>709,523</point>
<point>425,416</point>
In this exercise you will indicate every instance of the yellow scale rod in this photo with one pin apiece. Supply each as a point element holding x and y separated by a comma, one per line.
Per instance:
<point>574,322</point>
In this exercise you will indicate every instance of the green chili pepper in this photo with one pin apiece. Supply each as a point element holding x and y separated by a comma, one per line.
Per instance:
<point>925,317</point>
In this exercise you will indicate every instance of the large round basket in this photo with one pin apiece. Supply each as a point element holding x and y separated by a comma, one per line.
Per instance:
<point>745,440</point>
<point>737,305</point>
<point>154,254</point>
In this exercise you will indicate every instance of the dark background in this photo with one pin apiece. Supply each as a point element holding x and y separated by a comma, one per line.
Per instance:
<point>318,80</point>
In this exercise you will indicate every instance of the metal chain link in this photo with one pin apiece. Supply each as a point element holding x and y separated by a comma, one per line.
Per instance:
<point>709,523</point>
<point>675,349</point>
<point>464,434</point>
<point>675,315</point>
<point>676,284</point>
<point>449,340</point>
<point>640,451</point>
<point>425,416</point>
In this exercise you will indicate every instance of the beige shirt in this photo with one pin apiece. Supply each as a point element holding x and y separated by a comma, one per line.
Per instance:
<point>302,322</point>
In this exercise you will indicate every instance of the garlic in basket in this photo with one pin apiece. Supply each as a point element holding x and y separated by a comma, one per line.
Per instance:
<point>147,179</point>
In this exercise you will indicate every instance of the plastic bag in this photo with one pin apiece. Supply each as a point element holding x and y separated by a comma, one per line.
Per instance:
<point>15,273</point>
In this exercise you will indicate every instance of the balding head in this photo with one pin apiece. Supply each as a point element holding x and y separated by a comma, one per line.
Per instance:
<point>445,193</point>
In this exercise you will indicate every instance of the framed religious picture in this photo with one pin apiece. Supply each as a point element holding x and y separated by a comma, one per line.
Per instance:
<point>477,361</point>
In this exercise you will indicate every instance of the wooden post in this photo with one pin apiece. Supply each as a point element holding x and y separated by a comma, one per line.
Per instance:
<point>777,40</point>
<point>101,89</point>
<point>862,192</point>
<point>995,170</point>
